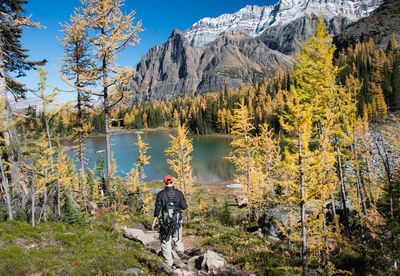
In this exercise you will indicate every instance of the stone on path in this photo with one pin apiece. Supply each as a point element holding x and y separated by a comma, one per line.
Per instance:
<point>148,239</point>
<point>132,271</point>
<point>200,261</point>
<point>213,261</point>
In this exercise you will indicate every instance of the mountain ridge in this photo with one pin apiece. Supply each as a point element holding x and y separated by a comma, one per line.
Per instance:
<point>244,50</point>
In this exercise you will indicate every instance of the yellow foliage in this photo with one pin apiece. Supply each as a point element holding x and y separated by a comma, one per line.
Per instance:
<point>179,151</point>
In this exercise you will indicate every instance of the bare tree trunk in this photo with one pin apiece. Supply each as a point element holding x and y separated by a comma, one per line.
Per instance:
<point>327,259</point>
<point>81,146</point>
<point>43,212</point>
<point>333,205</point>
<point>33,199</point>
<point>358,177</point>
<point>11,139</point>
<point>343,190</point>
<point>184,188</point>
<point>386,163</point>
<point>4,181</point>
<point>302,210</point>
<point>106,118</point>
<point>58,197</point>
<point>141,186</point>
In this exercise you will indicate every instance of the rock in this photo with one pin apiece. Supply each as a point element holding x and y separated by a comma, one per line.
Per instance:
<point>269,221</point>
<point>234,186</point>
<point>212,261</point>
<point>182,272</point>
<point>20,241</point>
<point>241,201</point>
<point>176,67</point>
<point>272,217</point>
<point>258,233</point>
<point>196,251</point>
<point>132,233</point>
<point>150,239</point>
<point>194,263</point>
<point>132,271</point>
<point>339,207</point>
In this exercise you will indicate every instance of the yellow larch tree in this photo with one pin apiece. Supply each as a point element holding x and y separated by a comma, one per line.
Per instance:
<point>43,167</point>
<point>268,159</point>
<point>243,156</point>
<point>75,68</point>
<point>141,161</point>
<point>109,31</point>
<point>297,123</point>
<point>310,124</point>
<point>179,153</point>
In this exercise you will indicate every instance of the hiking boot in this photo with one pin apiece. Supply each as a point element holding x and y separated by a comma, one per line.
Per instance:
<point>182,255</point>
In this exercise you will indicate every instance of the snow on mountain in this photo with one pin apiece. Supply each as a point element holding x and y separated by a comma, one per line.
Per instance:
<point>36,102</point>
<point>254,20</point>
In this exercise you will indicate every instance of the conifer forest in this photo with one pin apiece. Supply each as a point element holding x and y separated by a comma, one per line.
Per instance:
<point>316,152</point>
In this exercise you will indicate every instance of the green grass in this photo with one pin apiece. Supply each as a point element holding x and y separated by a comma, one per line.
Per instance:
<point>58,248</point>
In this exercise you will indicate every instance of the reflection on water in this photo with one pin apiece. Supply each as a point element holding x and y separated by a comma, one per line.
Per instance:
<point>208,161</point>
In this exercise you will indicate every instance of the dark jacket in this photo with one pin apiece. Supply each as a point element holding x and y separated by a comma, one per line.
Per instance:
<point>169,194</point>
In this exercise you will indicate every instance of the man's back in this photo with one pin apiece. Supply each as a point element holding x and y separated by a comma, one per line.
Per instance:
<point>169,194</point>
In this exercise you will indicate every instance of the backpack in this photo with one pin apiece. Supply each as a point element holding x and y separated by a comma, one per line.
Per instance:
<point>171,219</point>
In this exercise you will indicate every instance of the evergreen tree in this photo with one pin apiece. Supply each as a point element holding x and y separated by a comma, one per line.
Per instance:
<point>13,62</point>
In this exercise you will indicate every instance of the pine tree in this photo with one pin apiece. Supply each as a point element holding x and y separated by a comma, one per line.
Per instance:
<point>13,62</point>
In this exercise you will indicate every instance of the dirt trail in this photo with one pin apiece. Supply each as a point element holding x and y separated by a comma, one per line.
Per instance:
<point>199,260</point>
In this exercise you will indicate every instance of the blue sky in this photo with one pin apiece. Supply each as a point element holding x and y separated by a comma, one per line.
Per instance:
<point>158,18</point>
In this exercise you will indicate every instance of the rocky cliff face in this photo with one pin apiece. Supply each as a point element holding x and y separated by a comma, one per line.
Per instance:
<point>254,20</point>
<point>289,38</point>
<point>380,25</point>
<point>238,48</point>
<point>177,67</point>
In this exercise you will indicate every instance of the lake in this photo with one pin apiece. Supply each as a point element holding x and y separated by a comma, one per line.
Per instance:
<point>208,161</point>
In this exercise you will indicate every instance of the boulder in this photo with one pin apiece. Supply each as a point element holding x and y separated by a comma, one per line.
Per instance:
<point>273,216</point>
<point>270,220</point>
<point>150,239</point>
<point>213,261</point>
<point>339,207</point>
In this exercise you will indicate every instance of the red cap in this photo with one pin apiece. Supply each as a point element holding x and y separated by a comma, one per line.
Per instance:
<point>168,178</point>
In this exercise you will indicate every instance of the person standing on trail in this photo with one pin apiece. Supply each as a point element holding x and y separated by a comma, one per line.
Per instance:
<point>170,202</point>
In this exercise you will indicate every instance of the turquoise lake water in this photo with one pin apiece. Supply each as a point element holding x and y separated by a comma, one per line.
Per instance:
<point>208,161</point>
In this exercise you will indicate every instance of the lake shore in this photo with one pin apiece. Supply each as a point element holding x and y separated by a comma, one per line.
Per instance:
<point>119,130</point>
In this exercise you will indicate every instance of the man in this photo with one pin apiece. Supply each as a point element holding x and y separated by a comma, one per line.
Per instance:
<point>165,199</point>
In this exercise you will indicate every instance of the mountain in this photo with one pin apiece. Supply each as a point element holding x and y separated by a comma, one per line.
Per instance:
<point>380,25</point>
<point>254,20</point>
<point>177,67</point>
<point>243,47</point>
